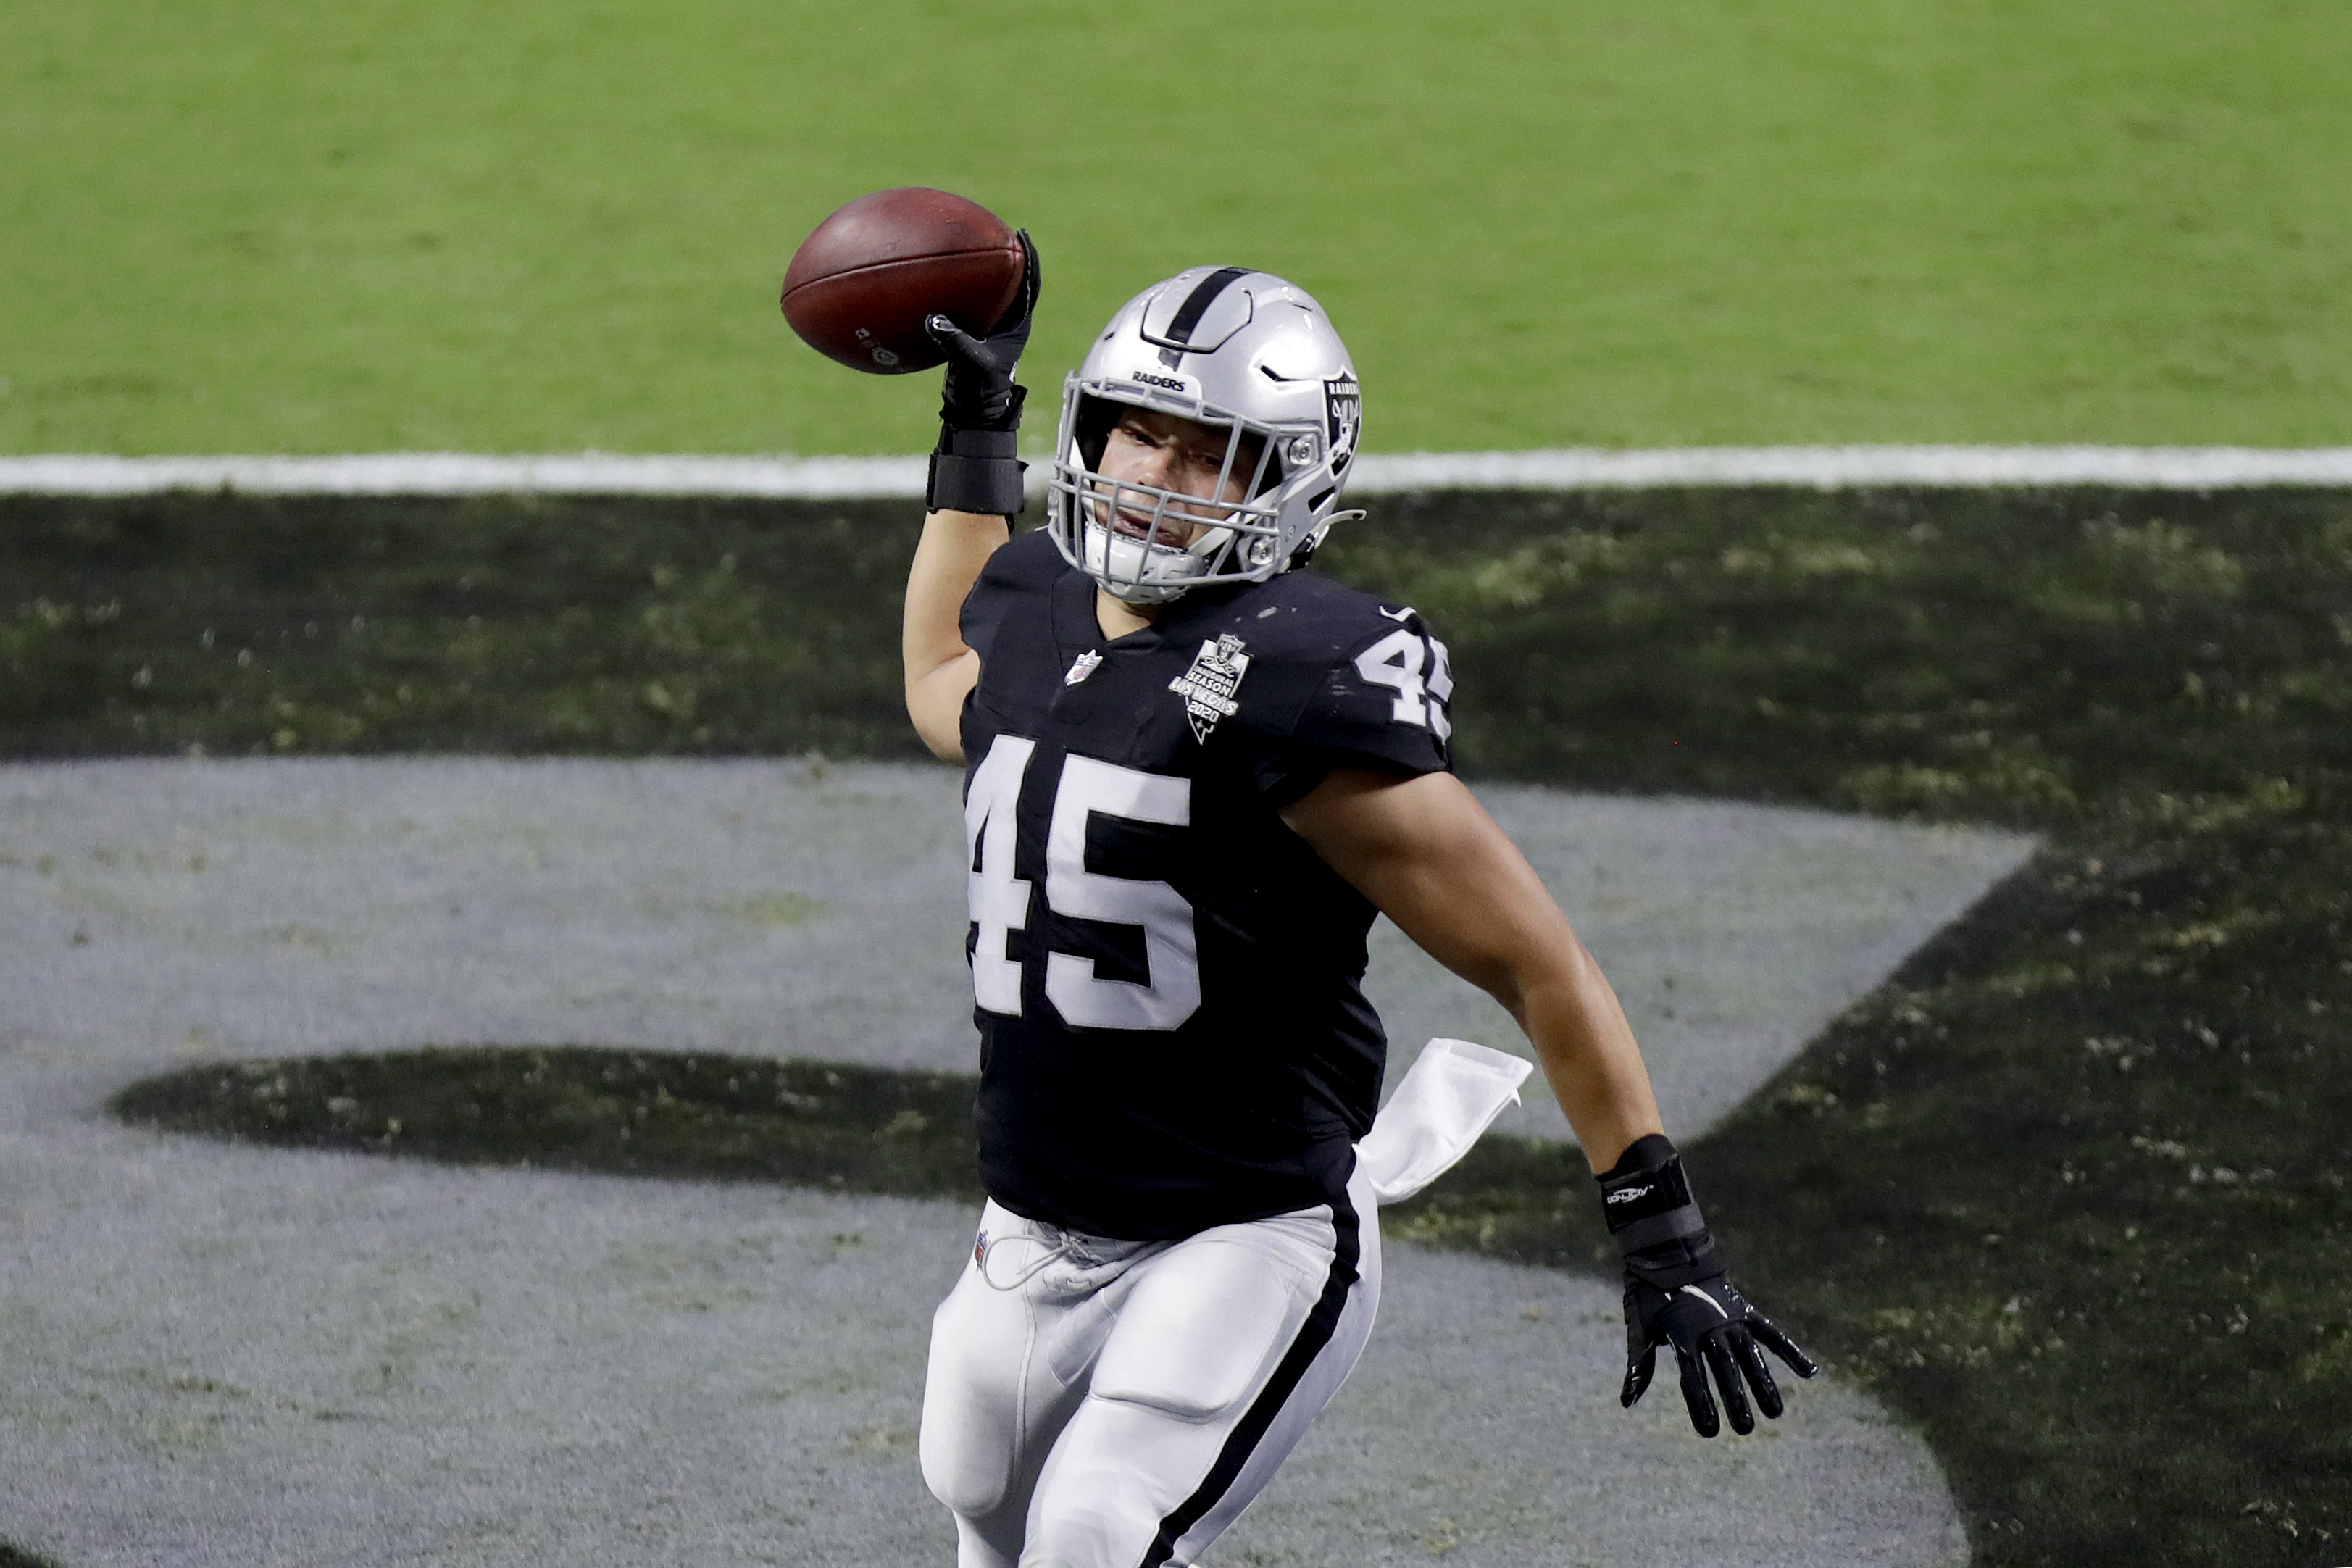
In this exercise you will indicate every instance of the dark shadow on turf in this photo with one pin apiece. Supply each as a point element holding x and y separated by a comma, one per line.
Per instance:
<point>582,1108</point>
<point>706,1117</point>
<point>18,1557</point>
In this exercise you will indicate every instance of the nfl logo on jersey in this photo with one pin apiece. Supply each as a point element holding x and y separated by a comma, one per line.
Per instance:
<point>1208,686</point>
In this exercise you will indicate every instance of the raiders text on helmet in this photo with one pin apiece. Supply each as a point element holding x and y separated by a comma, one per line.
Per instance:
<point>1228,348</point>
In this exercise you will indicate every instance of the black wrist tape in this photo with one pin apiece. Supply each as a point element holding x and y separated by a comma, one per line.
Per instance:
<point>976,470</point>
<point>1653,1218</point>
<point>1651,1149</point>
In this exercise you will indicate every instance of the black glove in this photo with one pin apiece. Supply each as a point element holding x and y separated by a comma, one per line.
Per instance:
<point>976,466</point>
<point>1675,1293</point>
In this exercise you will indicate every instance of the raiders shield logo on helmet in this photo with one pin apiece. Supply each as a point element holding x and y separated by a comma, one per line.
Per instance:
<point>1343,405</point>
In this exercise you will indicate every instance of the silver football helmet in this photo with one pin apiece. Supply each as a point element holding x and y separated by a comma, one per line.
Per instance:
<point>1232,348</point>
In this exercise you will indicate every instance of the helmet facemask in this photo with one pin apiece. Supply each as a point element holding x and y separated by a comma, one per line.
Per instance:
<point>1147,544</point>
<point>1240,352</point>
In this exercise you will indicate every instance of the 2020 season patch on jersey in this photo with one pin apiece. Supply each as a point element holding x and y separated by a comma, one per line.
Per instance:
<point>1165,977</point>
<point>1208,686</point>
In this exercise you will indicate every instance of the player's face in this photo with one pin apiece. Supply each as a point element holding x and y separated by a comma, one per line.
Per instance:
<point>1171,453</point>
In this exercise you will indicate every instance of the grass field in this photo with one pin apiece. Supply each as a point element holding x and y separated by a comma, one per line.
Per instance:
<point>2069,1192</point>
<point>263,226</point>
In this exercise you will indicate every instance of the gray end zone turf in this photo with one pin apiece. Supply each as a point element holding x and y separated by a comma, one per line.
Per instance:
<point>796,909</point>
<point>225,1354</point>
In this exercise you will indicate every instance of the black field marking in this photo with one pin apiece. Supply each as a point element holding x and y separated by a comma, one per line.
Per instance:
<point>2163,995</point>
<point>715,1117</point>
<point>577,1108</point>
<point>1314,1334</point>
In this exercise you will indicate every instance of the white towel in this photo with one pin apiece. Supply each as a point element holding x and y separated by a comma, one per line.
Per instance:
<point>1453,1094</point>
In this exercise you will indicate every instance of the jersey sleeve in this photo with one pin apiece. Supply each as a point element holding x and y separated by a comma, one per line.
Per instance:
<point>1382,704</point>
<point>1022,573</point>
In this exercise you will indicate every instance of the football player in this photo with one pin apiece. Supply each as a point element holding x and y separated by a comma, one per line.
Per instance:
<point>1193,775</point>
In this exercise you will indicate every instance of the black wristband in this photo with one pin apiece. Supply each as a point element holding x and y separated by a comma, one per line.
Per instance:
<point>1646,1152</point>
<point>960,441</point>
<point>1646,1199</point>
<point>976,471</point>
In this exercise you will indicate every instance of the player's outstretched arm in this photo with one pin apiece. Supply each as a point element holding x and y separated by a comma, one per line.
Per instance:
<point>973,488</point>
<point>1425,851</point>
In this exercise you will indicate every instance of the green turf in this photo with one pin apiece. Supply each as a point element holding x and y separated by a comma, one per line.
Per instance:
<point>179,621</point>
<point>264,225</point>
<point>2100,1126</point>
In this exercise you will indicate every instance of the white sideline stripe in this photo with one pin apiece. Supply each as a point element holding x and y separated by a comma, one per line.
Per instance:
<point>846,479</point>
<point>1836,468</point>
<point>465,473</point>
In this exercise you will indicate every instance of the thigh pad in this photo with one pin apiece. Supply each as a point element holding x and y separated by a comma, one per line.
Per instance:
<point>972,1397</point>
<point>1196,1334</point>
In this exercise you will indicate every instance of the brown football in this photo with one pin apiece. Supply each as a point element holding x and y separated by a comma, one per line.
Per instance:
<point>860,286</point>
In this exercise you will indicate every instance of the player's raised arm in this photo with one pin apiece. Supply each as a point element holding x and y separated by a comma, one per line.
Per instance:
<point>973,489</point>
<point>1427,854</point>
<point>940,670</point>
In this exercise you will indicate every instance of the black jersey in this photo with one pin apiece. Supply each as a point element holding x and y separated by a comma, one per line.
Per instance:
<point>1173,1034</point>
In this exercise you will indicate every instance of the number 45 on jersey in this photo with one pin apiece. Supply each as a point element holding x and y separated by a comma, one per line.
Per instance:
<point>1000,901</point>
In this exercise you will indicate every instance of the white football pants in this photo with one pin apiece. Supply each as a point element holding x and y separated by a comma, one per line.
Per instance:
<point>1100,1404</point>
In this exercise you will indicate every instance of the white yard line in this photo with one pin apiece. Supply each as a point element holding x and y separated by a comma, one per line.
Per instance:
<point>846,479</point>
<point>1839,468</point>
